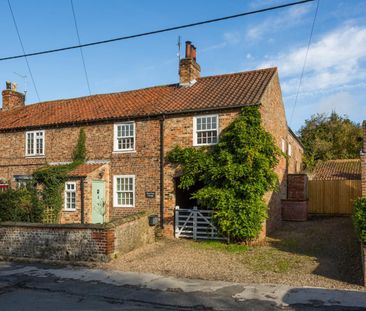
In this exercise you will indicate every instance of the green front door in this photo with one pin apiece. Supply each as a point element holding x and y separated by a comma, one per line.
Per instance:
<point>98,201</point>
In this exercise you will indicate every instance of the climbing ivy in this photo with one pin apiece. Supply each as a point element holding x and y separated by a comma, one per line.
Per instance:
<point>51,181</point>
<point>235,173</point>
<point>79,154</point>
<point>359,218</point>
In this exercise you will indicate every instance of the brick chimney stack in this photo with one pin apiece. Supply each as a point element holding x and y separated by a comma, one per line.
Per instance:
<point>189,70</point>
<point>11,98</point>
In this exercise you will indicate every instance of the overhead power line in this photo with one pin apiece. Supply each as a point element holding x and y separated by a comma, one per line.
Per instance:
<point>81,49</point>
<point>154,32</point>
<point>24,54</point>
<point>305,60</point>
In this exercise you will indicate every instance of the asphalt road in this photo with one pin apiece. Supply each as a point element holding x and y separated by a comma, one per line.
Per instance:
<point>41,287</point>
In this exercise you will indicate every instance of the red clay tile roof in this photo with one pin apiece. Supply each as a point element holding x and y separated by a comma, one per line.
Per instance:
<point>222,91</point>
<point>338,170</point>
<point>84,170</point>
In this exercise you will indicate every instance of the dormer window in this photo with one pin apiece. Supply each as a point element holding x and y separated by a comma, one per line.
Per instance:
<point>124,137</point>
<point>35,142</point>
<point>205,130</point>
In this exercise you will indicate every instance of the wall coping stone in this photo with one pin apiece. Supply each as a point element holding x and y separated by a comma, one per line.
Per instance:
<point>297,174</point>
<point>294,200</point>
<point>113,224</point>
<point>120,221</point>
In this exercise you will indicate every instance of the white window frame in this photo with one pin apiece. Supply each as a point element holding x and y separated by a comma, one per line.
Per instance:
<point>115,196</point>
<point>35,154</point>
<point>195,143</point>
<point>283,145</point>
<point>115,137</point>
<point>66,192</point>
<point>289,150</point>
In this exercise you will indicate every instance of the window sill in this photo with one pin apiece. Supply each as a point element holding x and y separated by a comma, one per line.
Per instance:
<point>204,145</point>
<point>35,157</point>
<point>123,151</point>
<point>115,206</point>
<point>70,210</point>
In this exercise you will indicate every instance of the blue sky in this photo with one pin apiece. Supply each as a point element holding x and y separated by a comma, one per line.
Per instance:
<point>334,77</point>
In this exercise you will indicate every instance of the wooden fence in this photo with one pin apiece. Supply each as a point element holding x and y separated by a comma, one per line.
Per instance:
<point>333,197</point>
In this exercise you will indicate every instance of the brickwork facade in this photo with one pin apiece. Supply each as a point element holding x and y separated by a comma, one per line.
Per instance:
<point>144,161</point>
<point>295,154</point>
<point>74,217</point>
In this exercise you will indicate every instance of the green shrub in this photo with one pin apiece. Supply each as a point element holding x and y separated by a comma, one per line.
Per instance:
<point>359,218</point>
<point>20,205</point>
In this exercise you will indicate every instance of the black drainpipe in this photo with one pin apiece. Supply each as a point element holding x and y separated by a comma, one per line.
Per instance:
<point>162,172</point>
<point>82,199</point>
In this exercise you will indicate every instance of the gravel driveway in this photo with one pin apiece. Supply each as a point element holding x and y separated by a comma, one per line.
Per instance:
<point>322,252</point>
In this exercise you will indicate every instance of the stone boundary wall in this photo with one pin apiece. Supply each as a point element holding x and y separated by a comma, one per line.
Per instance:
<point>74,242</point>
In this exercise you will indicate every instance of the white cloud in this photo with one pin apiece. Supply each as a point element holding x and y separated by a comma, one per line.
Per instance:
<point>335,60</point>
<point>343,103</point>
<point>232,37</point>
<point>290,18</point>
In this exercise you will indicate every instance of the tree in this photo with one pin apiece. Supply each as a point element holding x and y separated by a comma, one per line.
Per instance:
<point>330,137</point>
<point>235,174</point>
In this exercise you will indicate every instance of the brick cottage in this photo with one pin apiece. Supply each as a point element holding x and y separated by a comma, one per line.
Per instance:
<point>128,135</point>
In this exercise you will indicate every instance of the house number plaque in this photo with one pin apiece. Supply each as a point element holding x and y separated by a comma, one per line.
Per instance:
<point>150,195</point>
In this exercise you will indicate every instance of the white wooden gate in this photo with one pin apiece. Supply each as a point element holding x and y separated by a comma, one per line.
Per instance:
<point>195,224</point>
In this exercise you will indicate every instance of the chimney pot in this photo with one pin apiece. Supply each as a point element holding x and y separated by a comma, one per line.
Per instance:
<point>11,98</point>
<point>188,49</point>
<point>189,70</point>
<point>194,53</point>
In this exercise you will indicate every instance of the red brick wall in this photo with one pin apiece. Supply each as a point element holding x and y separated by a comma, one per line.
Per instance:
<point>297,187</point>
<point>274,121</point>
<point>294,210</point>
<point>294,161</point>
<point>69,217</point>
<point>59,145</point>
<point>144,164</point>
